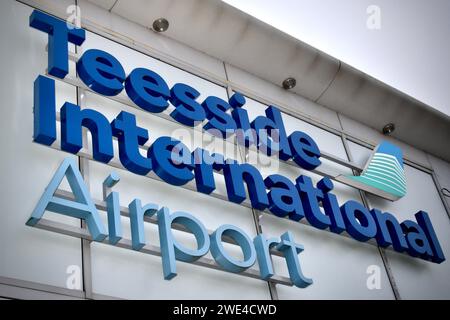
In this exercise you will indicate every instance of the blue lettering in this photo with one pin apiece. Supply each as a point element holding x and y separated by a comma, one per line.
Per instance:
<point>235,176</point>
<point>216,109</point>
<point>291,250</point>
<point>310,198</point>
<point>101,72</point>
<point>283,197</point>
<point>389,231</point>
<point>171,249</point>
<point>59,36</point>
<point>358,220</point>
<point>44,111</point>
<point>305,151</point>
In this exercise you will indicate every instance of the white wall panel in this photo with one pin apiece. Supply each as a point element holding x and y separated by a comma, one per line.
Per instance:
<point>416,278</point>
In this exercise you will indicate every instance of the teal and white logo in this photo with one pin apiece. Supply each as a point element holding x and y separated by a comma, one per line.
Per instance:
<point>383,174</point>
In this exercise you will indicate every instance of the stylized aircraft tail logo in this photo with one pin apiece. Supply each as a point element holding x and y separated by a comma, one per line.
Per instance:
<point>383,175</point>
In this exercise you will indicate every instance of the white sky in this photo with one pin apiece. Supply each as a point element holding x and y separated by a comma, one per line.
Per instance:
<point>411,50</point>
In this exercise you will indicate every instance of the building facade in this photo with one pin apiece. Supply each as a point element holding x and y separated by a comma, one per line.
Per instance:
<point>57,259</point>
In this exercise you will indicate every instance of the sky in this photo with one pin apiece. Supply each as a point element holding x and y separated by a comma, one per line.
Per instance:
<point>404,43</point>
